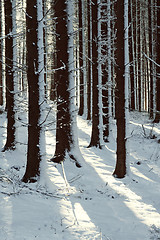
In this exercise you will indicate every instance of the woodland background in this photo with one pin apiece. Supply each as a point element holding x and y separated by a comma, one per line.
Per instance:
<point>92,63</point>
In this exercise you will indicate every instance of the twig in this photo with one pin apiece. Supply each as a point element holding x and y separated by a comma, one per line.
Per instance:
<point>64,176</point>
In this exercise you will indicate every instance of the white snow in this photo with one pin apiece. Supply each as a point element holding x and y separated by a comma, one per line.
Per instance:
<point>88,202</point>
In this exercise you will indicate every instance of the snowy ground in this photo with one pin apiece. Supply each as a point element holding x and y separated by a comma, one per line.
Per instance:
<point>89,203</point>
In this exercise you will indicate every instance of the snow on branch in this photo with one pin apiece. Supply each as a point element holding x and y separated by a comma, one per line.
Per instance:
<point>151,60</point>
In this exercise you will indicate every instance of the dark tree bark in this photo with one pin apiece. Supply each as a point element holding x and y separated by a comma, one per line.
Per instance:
<point>151,55</point>
<point>120,170</point>
<point>64,132</point>
<point>89,62</point>
<point>53,90</point>
<point>10,143</point>
<point>1,47</point>
<point>81,107</point>
<point>34,128</point>
<point>95,137</point>
<point>45,46</point>
<point>132,102</point>
<point>105,98</point>
<point>138,55</point>
<point>157,117</point>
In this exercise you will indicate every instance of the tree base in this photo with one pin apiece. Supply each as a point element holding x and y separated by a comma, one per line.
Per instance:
<point>157,118</point>
<point>29,179</point>
<point>8,148</point>
<point>95,145</point>
<point>61,158</point>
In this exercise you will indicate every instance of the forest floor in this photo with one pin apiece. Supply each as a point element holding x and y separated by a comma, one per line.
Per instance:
<point>88,202</point>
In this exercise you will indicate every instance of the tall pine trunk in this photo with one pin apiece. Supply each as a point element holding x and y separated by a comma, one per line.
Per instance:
<point>96,121</point>
<point>10,73</point>
<point>1,55</point>
<point>89,61</point>
<point>81,74</point>
<point>157,117</point>
<point>122,72</point>
<point>66,136</point>
<point>35,75</point>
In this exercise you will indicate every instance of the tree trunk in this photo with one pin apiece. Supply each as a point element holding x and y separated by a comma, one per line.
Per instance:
<point>157,117</point>
<point>151,97</point>
<point>1,54</point>
<point>132,60</point>
<point>10,71</point>
<point>89,61</point>
<point>66,138</point>
<point>96,134</point>
<point>121,98</point>
<point>106,28</point>
<point>81,82</point>
<point>35,75</point>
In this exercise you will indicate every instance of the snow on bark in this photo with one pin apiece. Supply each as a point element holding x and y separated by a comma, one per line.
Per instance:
<point>84,59</point>
<point>40,46</point>
<point>126,62</point>
<point>100,76</point>
<point>15,71</point>
<point>109,63</point>
<point>3,52</point>
<point>133,53</point>
<point>75,151</point>
<point>153,56</point>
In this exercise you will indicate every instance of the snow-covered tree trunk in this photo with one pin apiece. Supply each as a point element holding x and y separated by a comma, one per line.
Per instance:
<point>89,60</point>
<point>104,47</point>
<point>3,89</point>
<point>133,74</point>
<point>81,74</point>
<point>100,106</point>
<point>141,77</point>
<point>136,62</point>
<point>157,117</point>
<point>1,54</point>
<point>109,64</point>
<point>66,135</point>
<point>153,50</point>
<point>126,76</point>
<point>84,57</point>
<point>15,66</point>
<point>96,137</point>
<point>74,152</point>
<point>105,72</point>
<point>35,75</point>
<point>11,62</point>
<point>113,63</point>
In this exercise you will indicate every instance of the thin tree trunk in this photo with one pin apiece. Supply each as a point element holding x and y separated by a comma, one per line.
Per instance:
<point>132,59</point>
<point>10,71</point>
<point>96,131</point>
<point>89,61</point>
<point>81,82</point>
<point>157,117</point>
<point>105,68</point>
<point>84,58</point>
<point>1,54</point>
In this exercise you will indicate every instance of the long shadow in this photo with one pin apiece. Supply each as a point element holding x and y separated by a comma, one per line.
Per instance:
<point>143,180</point>
<point>105,207</point>
<point>146,186</point>
<point>111,194</point>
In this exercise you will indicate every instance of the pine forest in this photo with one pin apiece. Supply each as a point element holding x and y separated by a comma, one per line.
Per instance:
<point>80,119</point>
